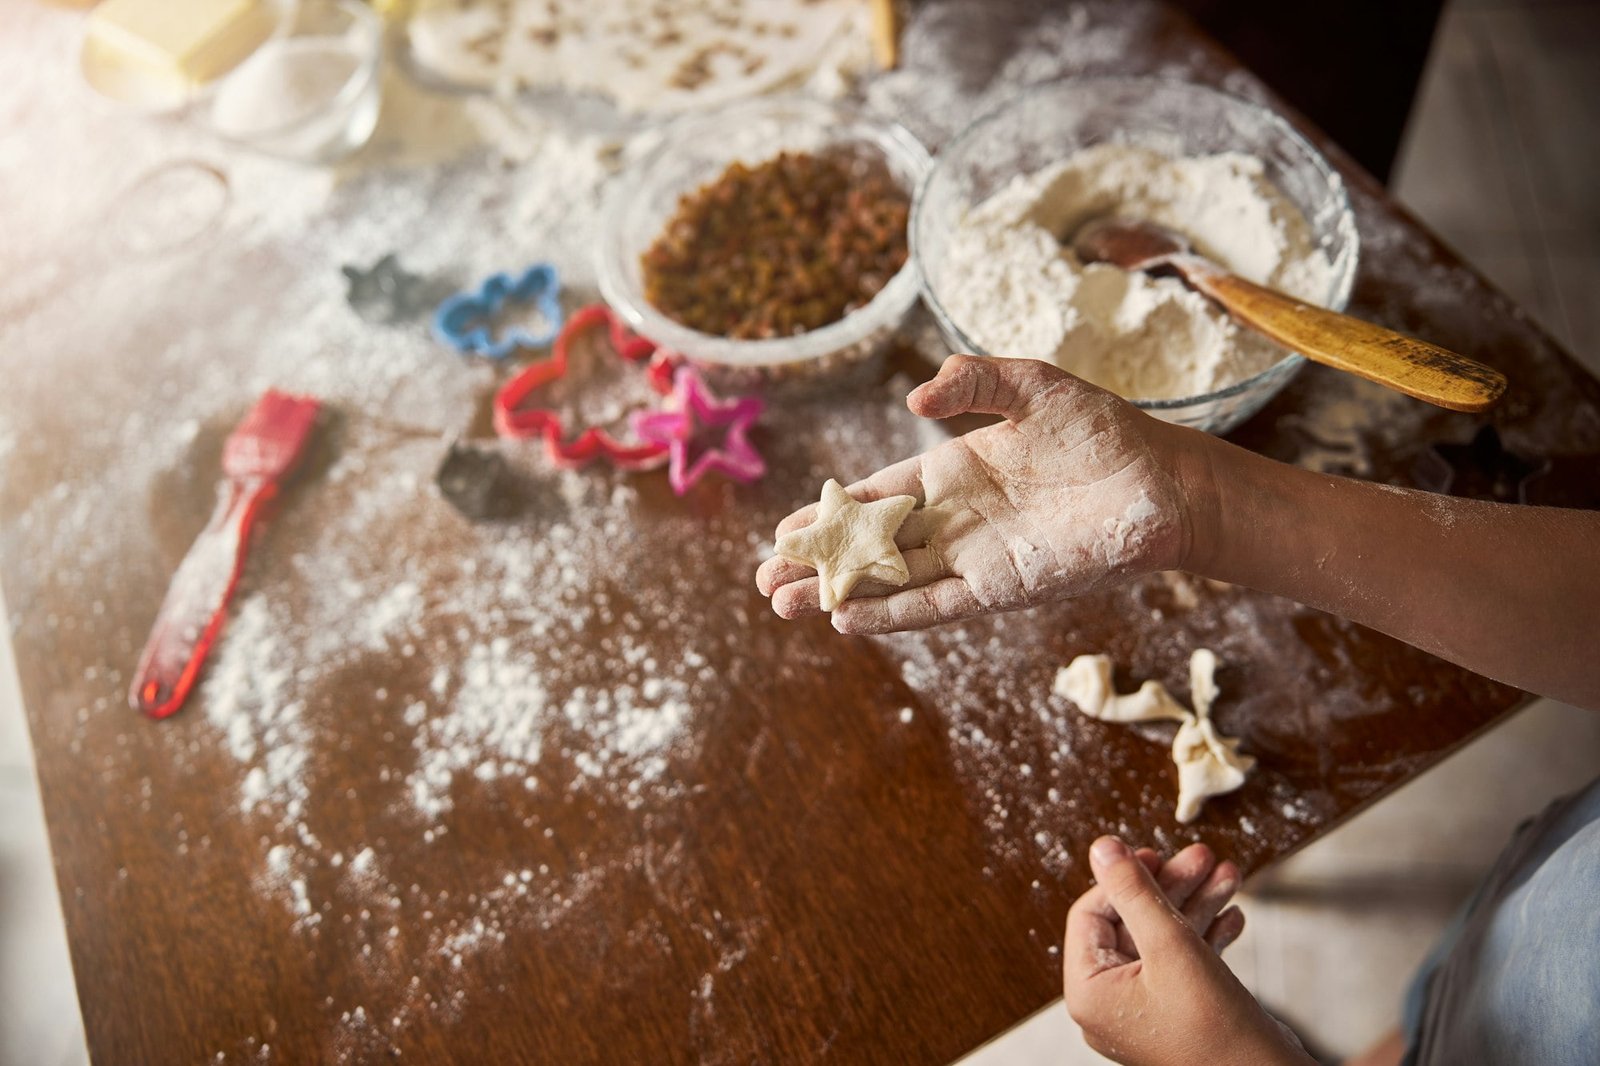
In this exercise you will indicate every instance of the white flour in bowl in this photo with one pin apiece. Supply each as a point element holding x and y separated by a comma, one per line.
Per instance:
<point>1014,289</point>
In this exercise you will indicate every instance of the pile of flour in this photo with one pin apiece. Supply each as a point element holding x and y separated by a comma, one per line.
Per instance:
<point>1014,289</point>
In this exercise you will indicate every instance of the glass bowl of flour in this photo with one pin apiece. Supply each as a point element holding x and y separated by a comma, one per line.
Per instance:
<point>991,221</point>
<point>695,151</point>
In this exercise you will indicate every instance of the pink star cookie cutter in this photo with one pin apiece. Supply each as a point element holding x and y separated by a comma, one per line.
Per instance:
<point>516,422</point>
<point>679,426</point>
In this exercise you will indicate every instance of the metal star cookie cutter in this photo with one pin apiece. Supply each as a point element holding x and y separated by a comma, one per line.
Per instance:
<point>690,409</point>
<point>478,480</point>
<point>1482,468</point>
<point>473,480</point>
<point>386,290</point>
<point>516,422</point>
<point>462,320</point>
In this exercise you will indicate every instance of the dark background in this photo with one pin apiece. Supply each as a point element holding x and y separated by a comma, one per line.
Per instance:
<point>1352,68</point>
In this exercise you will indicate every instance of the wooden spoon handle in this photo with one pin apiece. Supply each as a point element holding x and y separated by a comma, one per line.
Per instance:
<point>1403,363</point>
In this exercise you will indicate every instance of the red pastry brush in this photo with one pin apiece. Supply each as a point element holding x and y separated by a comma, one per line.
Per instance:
<point>258,456</point>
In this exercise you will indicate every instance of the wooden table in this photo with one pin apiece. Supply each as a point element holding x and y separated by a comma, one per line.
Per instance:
<point>722,838</point>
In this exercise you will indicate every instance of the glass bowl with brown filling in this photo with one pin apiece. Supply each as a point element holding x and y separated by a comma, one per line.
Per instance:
<point>766,241</point>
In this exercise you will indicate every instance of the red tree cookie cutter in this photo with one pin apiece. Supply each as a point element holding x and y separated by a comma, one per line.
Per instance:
<point>513,421</point>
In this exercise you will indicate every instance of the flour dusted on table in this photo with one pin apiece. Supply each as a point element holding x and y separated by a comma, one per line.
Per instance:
<point>1016,290</point>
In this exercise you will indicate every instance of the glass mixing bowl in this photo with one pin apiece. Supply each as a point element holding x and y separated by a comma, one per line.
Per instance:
<point>312,94</point>
<point>1049,122</point>
<point>695,151</point>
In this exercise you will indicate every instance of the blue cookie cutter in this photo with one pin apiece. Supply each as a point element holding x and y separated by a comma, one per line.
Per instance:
<point>539,285</point>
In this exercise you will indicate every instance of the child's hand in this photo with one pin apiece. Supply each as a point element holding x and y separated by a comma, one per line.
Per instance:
<point>1141,969</point>
<point>1076,490</point>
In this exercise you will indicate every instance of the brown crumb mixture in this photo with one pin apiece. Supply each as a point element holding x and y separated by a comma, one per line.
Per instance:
<point>781,248</point>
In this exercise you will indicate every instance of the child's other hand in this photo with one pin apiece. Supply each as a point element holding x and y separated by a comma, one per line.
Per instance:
<point>1141,970</point>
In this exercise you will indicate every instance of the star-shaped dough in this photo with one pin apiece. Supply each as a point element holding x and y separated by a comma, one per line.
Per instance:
<point>850,542</point>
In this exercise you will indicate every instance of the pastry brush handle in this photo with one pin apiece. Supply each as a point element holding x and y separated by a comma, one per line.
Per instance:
<point>1406,364</point>
<point>192,614</point>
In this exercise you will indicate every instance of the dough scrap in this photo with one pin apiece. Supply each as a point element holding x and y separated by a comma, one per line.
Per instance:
<point>1209,764</point>
<point>1203,681</point>
<point>927,524</point>
<point>1086,681</point>
<point>850,542</point>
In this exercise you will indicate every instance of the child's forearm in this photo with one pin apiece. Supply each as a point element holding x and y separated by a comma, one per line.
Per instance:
<point>1510,592</point>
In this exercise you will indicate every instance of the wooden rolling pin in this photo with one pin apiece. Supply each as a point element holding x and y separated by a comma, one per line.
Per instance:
<point>886,33</point>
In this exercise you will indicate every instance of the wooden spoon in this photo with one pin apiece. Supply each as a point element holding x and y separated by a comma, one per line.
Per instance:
<point>1392,359</point>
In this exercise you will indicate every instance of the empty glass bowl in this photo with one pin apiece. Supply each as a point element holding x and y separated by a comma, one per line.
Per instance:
<point>1050,122</point>
<point>311,93</point>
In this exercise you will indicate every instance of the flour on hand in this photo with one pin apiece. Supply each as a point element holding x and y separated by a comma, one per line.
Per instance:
<point>1209,764</point>
<point>1016,290</point>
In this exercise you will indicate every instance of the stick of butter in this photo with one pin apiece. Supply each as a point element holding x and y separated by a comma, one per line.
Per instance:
<point>171,47</point>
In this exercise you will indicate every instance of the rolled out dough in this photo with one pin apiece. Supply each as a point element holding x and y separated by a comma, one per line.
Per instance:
<point>646,55</point>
